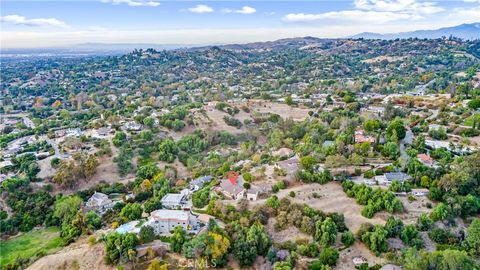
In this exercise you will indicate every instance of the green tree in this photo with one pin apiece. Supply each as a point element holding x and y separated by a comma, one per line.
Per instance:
<point>348,239</point>
<point>328,256</point>
<point>473,236</point>
<point>131,211</point>
<point>289,100</point>
<point>168,150</point>
<point>329,232</point>
<point>396,126</point>
<point>178,238</point>
<point>66,208</point>
<point>146,234</point>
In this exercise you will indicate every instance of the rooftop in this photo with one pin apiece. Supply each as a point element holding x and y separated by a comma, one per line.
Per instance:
<point>164,214</point>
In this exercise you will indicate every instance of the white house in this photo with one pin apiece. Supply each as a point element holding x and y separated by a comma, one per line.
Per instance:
<point>164,221</point>
<point>99,203</point>
<point>174,200</point>
<point>419,192</point>
<point>252,194</point>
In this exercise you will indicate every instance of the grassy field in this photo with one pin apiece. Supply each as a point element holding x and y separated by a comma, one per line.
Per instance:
<point>30,244</point>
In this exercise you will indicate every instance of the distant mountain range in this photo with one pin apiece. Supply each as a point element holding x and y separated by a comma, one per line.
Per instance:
<point>463,31</point>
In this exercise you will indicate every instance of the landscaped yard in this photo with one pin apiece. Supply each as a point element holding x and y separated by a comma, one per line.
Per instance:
<point>30,244</point>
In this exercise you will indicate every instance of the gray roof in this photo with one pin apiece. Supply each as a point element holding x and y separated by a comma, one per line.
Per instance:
<point>200,181</point>
<point>402,177</point>
<point>227,186</point>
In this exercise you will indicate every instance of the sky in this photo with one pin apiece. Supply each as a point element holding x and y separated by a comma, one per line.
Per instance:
<point>40,24</point>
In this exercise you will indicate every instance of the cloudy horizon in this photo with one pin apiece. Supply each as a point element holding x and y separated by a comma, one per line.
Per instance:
<point>40,24</point>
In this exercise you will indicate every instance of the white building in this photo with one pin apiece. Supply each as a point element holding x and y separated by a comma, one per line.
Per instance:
<point>99,203</point>
<point>174,200</point>
<point>164,221</point>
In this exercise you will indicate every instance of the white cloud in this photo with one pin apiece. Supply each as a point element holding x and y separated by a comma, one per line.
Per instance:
<point>21,20</point>
<point>133,3</point>
<point>404,6</point>
<point>466,15</point>
<point>201,9</point>
<point>243,10</point>
<point>351,16</point>
<point>472,1</point>
<point>373,11</point>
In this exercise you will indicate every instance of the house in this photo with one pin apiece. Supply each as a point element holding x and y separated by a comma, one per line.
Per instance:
<point>252,194</point>
<point>360,137</point>
<point>164,221</point>
<point>99,203</point>
<point>388,178</point>
<point>102,132</point>
<point>426,159</point>
<point>132,126</point>
<point>6,163</point>
<point>174,201</point>
<point>200,182</point>
<point>369,182</point>
<point>233,191</point>
<point>73,132</point>
<point>419,192</point>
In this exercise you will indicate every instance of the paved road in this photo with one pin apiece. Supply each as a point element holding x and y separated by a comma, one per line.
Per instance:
<point>433,115</point>
<point>406,141</point>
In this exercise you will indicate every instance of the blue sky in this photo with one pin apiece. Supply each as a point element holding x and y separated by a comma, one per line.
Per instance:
<point>61,23</point>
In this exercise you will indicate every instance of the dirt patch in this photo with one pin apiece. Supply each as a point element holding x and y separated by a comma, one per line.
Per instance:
<point>77,254</point>
<point>357,249</point>
<point>329,198</point>
<point>289,234</point>
<point>282,109</point>
<point>413,209</point>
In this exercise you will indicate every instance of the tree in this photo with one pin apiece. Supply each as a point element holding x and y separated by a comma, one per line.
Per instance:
<point>329,232</point>
<point>289,100</point>
<point>178,238</point>
<point>167,150</point>
<point>117,246</point>
<point>93,220</point>
<point>348,239</point>
<point>328,256</point>
<point>250,243</point>
<point>131,211</point>
<point>91,166</point>
<point>391,150</point>
<point>307,162</point>
<point>119,139</point>
<point>156,265</point>
<point>376,240</point>
<point>473,236</point>
<point>474,104</point>
<point>146,234</point>
<point>398,126</point>
<point>66,208</point>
